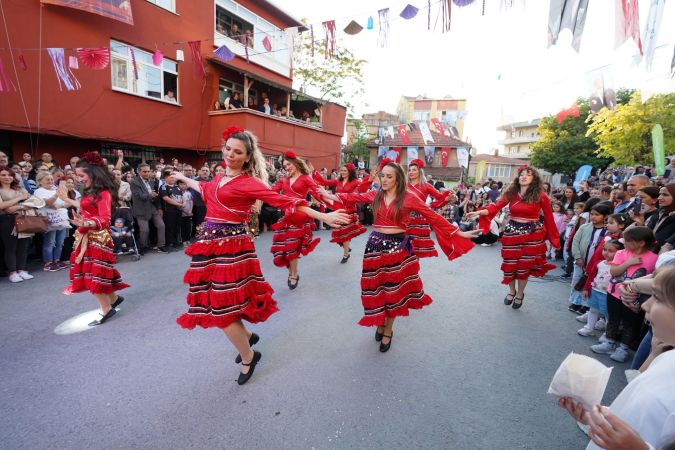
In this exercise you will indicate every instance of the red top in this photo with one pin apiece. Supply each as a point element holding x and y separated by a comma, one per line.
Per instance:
<point>591,268</point>
<point>97,210</point>
<point>518,209</point>
<point>349,187</point>
<point>453,246</point>
<point>423,190</point>
<point>299,188</point>
<point>232,201</point>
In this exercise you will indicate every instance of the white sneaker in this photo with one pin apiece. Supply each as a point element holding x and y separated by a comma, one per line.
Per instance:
<point>15,278</point>
<point>606,348</point>
<point>602,338</point>
<point>583,318</point>
<point>585,332</point>
<point>601,324</point>
<point>25,275</point>
<point>620,354</point>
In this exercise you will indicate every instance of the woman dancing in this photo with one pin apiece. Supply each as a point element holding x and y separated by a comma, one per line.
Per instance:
<point>92,257</point>
<point>523,246</point>
<point>419,227</point>
<point>390,284</point>
<point>292,238</point>
<point>226,284</point>
<point>347,183</point>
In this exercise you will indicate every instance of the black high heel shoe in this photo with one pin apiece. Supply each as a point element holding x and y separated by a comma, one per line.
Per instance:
<point>507,302</point>
<point>517,305</point>
<point>385,347</point>
<point>378,335</point>
<point>244,377</point>
<point>251,341</point>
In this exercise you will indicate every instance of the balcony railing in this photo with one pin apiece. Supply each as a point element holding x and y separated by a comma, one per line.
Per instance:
<point>291,120</point>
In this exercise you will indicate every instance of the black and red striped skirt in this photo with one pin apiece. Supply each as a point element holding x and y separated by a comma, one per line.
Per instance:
<point>390,282</point>
<point>348,232</point>
<point>291,241</point>
<point>226,283</point>
<point>420,230</point>
<point>524,251</point>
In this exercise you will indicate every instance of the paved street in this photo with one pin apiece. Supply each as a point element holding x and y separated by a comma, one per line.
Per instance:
<point>464,373</point>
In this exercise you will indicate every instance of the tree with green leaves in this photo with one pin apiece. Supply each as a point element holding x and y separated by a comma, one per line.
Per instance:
<point>625,133</point>
<point>564,147</point>
<point>338,79</point>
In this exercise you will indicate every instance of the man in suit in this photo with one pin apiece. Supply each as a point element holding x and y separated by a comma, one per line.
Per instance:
<point>145,207</point>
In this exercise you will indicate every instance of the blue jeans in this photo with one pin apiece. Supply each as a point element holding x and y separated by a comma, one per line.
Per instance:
<point>643,351</point>
<point>52,244</point>
<point>575,296</point>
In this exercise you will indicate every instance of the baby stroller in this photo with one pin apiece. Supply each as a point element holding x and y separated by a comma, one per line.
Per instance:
<point>132,248</point>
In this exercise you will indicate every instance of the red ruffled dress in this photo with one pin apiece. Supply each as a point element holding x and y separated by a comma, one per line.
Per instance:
<point>293,238</point>
<point>390,283</point>
<point>354,228</point>
<point>418,227</point>
<point>523,242</point>
<point>226,283</point>
<point>92,259</point>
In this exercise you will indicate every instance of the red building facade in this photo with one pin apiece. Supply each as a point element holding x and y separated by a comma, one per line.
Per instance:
<point>117,109</point>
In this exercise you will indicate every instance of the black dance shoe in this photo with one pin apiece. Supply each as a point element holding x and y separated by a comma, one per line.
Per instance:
<point>517,305</point>
<point>292,286</point>
<point>244,377</point>
<point>378,335</point>
<point>507,302</point>
<point>385,347</point>
<point>345,259</point>
<point>251,341</point>
<point>117,302</point>
<point>105,317</point>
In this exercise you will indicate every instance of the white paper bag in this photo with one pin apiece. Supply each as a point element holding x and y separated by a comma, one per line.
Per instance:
<point>582,378</point>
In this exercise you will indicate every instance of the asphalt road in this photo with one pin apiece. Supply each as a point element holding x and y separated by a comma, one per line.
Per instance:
<point>464,373</point>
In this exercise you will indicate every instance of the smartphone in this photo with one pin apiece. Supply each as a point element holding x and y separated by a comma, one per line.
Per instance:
<point>637,206</point>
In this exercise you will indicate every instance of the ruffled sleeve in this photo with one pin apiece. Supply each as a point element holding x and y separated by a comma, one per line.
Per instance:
<point>98,211</point>
<point>356,197</point>
<point>435,193</point>
<point>258,190</point>
<point>322,181</point>
<point>549,222</point>
<point>493,210</point>
<point>451,244</point>
<point>364,185</point>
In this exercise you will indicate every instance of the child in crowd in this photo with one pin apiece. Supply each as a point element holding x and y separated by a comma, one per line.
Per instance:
<point>624,322</point>
<point>597,294</point>
<point>585,241</point>
<point>121,236</point>
<point>570,229</point>
<point>186,214</point>
<point>560,219</point>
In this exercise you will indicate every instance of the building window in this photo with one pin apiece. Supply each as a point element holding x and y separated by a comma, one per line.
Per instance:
<point>422,115</point>
<point>153,81</point>
<point>227,89</point>
<point>499,171</point>
<point>166,4</point>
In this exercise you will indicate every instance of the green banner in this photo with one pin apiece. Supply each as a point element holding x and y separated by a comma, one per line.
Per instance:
<point>657,145</point>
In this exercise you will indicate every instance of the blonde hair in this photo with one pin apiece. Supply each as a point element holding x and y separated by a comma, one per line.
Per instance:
<point>255,166</point>
<point>666,275</point>
<point>42,175</point>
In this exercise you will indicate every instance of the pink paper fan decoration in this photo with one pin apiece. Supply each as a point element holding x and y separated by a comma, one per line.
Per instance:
<point>157,58</point>
<point>267,44</point>
<point>94,58</point>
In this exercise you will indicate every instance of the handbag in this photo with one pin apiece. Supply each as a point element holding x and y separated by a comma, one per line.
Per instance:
<point>581,283</point>
<point>31,224</point>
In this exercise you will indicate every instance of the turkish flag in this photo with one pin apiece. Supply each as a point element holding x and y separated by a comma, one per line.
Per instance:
<point>439,127</point>
<point>445,156</point>
<point>404,134</point>
<point>565,113</point>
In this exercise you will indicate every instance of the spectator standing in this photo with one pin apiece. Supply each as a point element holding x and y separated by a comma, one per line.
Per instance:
<point>186,214</point>
<point>16,247</point>
<point>56,212</point>
<point>493,193</point>
<point>172,205</point>
<point>144,207</point>
<point>28,184</point>
<point>124,192</point>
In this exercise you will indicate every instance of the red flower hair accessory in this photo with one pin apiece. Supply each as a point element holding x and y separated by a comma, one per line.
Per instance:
<point>523,167</point>
<point>93,158</point>
<point>417,162</point>
<point>229,131</point>
<point>290,155</point>
<point>384,162</point>
<point>350,166</point>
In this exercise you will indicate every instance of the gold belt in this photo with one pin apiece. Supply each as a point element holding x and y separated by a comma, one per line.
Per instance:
<point>82,240</point>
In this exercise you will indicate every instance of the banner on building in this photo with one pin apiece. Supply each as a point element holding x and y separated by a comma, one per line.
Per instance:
<point>429,153</point>
<point>404,134</point>
<point>445,156</point>
<point>394,153</point>
<point>381,152</point>
<point>426,133</point>
<point>390,131</point>
<point>113,9</point>
<point>463,157</point>
<point>412,154</point>
<point>439,127</point>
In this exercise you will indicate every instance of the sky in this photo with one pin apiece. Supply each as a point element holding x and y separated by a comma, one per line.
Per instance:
<point>499,62</point>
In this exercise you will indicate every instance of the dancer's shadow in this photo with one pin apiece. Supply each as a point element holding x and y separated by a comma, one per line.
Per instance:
<point>79,323</point>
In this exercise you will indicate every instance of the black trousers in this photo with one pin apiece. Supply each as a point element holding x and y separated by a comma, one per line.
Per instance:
<point>15,250</point>
<point>198,215</point>
<point>623,325</point>
<point>172,224</point>
<point>186,228</point>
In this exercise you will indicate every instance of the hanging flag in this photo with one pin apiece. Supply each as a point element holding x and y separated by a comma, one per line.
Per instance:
<point>267,44</point>
<point>196,56</point>
<point>117,10</point>
<point>382,151</point>
<point>5,82</point>
<point>224,53</point>
<point>659,154</point>
<point>22,61</point>
<point>370,23</point>
<point>412,154</point>
<point>394,154</point>
<point>462,2</point>
<point>652,29</point>
<point>383,22</point>
<point>463,157</point>
<point>627,22</point>
<point>380,135</point>
<point>94,58</point>
<point>572,111</point>
<point>329,42</point>
<point>63,73</point>
<point>311,34</point>
<point>429,15</point>
<point>567,14</point>
<point>445,156</point>
<point>73,63</point>
<point>439,127</point>
<point>446,9</point>
<point>158,57</point>
<point>409,12</point>
<point>404,134</point>
<point>390,131</point>
<point>429,153</point>
<point>133,62</point>
<point>426,133</point>
<point>353,28</point>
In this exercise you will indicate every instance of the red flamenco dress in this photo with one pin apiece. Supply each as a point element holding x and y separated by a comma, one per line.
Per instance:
<point>390,282</point>
<point>418,227</point>
<point>226,283</point>
<point>354,228</point>
<point>523,242</point>
<point>92,260</point>
<point>293,238</point>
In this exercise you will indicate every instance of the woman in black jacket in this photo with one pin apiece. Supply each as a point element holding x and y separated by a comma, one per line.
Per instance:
<point>663,223</point>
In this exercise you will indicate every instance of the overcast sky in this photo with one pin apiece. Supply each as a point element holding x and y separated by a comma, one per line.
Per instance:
<point>499,62</point>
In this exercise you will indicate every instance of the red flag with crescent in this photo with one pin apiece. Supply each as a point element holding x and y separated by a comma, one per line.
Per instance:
<point>445,156</point>
<point>439,127</point>
<point>404,134</point>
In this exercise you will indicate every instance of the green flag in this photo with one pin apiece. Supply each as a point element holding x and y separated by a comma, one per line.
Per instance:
<point>657,145</point>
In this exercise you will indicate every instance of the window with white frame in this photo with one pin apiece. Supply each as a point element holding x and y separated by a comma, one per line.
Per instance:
<point>148,80</point>
<point>166,4</point>
<point>499,171</point>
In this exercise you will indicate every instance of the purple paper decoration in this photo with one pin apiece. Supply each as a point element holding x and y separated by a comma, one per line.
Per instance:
<point>63,73</point>
<point>133,62</point>
<point>409,12</point>
<point>462,2</point>
<point>224,53</point>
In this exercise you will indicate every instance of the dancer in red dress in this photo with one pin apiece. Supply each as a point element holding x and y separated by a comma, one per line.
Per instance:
<point>226,284</point>
<point>347,183</point>
<point>523,242</point>
<point>390,284</point>
<point>92,258</point>
<point>293,239</point>
<point>419,227</point>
